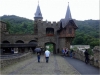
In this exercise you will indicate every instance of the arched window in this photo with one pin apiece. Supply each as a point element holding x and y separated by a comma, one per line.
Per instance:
<point>49,31</point>
<point>5,41</point>
<point>32,42</point>
<point>19,41</point>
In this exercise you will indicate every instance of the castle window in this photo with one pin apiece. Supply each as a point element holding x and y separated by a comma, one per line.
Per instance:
<point>60,25</point>
<point>63,31</point>
<point>70,30</point>
<point>49,31</point>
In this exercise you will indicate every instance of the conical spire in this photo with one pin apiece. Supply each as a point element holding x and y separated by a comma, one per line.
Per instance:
<point>38,14</point>
<point>68,14</point>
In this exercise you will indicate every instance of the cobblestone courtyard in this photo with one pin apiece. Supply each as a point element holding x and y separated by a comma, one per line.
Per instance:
<point>57,66</point>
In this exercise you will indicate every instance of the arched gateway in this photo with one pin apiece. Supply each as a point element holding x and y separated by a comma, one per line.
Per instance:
<point>51,47</point>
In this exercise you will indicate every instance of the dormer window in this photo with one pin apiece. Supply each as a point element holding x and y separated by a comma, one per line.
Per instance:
<point>70,30</point>
<point>49,31</point>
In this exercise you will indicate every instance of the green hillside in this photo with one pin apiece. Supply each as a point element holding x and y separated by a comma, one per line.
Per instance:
<point>87,33</point>
<point>18,25</point>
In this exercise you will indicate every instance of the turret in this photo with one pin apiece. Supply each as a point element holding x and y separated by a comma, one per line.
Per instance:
<point>68,15</point>
<point>67,25</point>
<point>38,14</point>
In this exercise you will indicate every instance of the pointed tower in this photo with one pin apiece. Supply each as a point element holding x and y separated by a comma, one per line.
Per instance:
<point>67,29</point>
<point>38,14</point>
<point>68,15</point>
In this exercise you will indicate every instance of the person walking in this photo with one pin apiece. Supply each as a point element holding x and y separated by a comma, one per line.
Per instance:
<point>86,56</point>
<point>38,50</point>
<point>67,51</point>
<point>63,51</point>
<point>71,53</point>
<point>38,56</point>
<point>47,54</point>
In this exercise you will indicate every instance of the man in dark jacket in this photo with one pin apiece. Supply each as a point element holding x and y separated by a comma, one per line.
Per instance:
<point>38,50</point>
<point>86,56</point>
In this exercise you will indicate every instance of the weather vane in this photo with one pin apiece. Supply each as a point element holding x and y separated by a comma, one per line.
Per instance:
<point>38,1</point>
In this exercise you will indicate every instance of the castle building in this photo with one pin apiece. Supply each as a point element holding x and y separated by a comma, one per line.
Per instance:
<point>58,34</point>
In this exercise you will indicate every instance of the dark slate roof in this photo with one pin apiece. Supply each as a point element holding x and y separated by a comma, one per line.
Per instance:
<point>71,22</point>
<point>38,13</point>
<point>67,17</point>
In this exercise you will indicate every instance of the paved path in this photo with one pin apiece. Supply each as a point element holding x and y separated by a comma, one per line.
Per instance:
<point>57,66</point>
<point>84,69</point>
<point>9,56</point>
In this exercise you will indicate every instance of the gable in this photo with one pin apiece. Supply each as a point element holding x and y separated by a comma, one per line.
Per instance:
<point>71,24</point>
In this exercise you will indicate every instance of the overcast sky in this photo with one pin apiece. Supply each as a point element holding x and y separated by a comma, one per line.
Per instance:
<point>52,10</point>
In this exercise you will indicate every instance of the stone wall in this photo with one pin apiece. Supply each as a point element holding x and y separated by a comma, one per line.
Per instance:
<point>94,60</point>
<point>62,43</point>
<point>12,38</point>
<point>6,62</point>
<point>0,32</point>
<point>40,27</point>
<point>96,51</point>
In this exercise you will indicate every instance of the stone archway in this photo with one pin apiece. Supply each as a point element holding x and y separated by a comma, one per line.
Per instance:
<point>19,49</point>
<point>33,42</point>
<point>6,50</point>
<point>51,47</point>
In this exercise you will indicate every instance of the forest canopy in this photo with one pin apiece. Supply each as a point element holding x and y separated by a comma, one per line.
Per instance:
<point>18,25</point>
